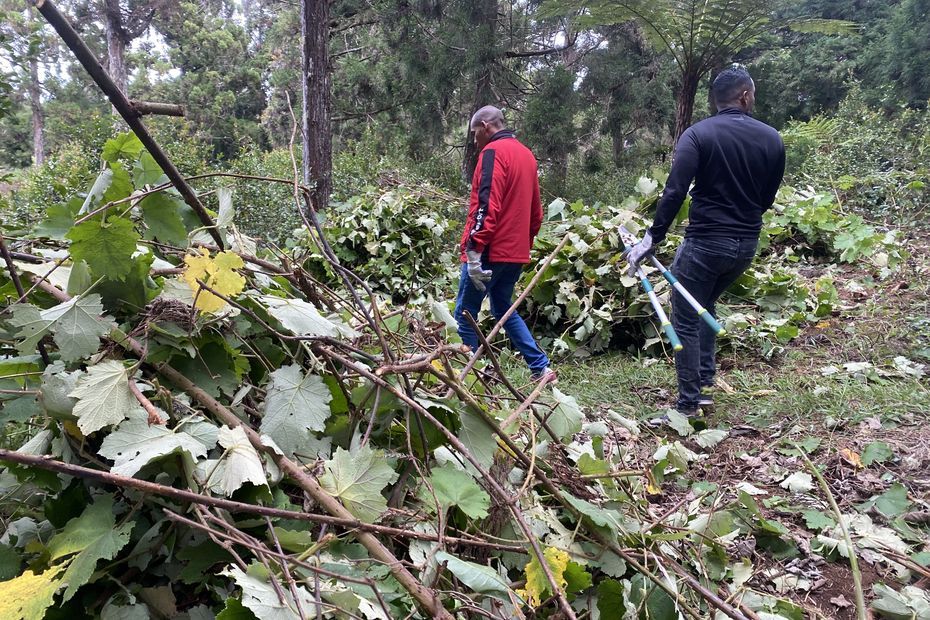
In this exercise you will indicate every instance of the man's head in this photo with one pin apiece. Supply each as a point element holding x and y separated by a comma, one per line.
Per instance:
<point>734,88</point>
<point>485,123</point>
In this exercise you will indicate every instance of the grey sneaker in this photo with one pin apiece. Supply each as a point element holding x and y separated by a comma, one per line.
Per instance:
<point>546,374</point>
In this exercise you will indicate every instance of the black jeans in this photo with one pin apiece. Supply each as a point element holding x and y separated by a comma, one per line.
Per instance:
<point>706,266</point>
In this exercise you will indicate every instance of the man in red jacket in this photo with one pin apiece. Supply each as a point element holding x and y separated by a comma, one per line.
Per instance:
<point>504,216</point>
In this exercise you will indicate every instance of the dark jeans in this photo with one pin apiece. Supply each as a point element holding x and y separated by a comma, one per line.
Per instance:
<point>706,267</point>
<point>500,290</point>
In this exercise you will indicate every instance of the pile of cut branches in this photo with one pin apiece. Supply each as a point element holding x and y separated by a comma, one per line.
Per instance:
<point>199,431</point>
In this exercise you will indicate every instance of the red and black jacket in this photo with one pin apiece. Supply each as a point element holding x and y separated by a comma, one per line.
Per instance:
<point>504,213</point>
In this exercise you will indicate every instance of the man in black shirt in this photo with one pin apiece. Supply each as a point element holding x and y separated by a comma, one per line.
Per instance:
<point>737,164</point>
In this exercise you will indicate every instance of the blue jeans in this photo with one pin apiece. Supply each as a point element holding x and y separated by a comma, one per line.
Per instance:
<point>500,290</point>
<point>706,266</point>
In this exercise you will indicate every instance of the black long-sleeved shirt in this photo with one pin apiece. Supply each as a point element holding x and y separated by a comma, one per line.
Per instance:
<point>737,164</point>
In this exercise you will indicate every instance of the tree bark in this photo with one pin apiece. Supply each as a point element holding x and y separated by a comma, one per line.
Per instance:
<point>483,17</point>
<point>684,108</point>
<point>317,128</point>
<point>116,43</point>
<point>35,102</point>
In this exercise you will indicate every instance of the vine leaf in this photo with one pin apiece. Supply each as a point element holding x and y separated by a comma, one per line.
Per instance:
<point>296,403</point>
<point>303,319</point>
<point>106,247</point>
<point>481,579</point>
<point>93,536</point>
<point>478,438</point>
<point>217,273</point>
<point>239,464</point>
<point>537,586</point>
<point>357,478</point>
<point>566,416</point>
<point>103,397</point>
<point>28,596</point>
<point>261,599</point>
<point>146,171</point>
<point>454,487</point>
<point>135,444</point>
<point>78,325</point>
<point>126,144</point>
<point>161,214</point>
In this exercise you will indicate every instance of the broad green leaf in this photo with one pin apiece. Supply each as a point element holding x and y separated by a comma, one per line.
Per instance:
<point>160,213</point>
<point>679,422</point>
<point>481,579</point>
<point>11,562</point>
<point>101,183</point>
<point>817,520</point>
<point>135,444</point>
<point>123,145</point>
<point>566,417</point>
<point>19,409</point>
<point>357,479</point>
<point>146,171</point>
<point>710,437</point>
<point>103,397</point>
<point>893,502</point>
<point>577,579</point>
<point>32,326</point>
<point>234,610</point>
<point>538,587</point>
<point>260,597</point>
<point>28,596</point>
<point>120,185</point>
<point>303,319</point>
<point>106,247</point>
<point>910,603</point>
<point>239,464</point>
<point>611,599</point>
<point>80,279</point>
<point>93,536</point>
<point>296,403</point>
<point>79,326</point>
<point>478,438</point>
<point>454,487</point>
<point>601,517</point>
<point>876,452</point>
<point>58,219</point>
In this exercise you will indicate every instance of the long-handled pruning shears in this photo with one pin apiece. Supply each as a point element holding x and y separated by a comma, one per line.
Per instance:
<point>629,240</point>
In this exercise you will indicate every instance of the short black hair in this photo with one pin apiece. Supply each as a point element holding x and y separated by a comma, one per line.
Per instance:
<point>729,83</point>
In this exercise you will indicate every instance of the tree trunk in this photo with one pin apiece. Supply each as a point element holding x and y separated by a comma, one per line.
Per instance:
<point>35,102</point>
<point>483,17</point>
<point>317,129</point>
<point>685,105</point>
<point>38,116</point>
<point>116,43</point>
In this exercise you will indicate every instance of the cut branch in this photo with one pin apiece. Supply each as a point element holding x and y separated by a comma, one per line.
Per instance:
<point>125,108</point>
<point>150,107</point>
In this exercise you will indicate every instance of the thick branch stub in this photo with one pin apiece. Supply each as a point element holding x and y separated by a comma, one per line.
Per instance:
<point>151,107</point>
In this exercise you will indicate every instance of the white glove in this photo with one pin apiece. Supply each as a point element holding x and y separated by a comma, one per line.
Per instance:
<point>478,275</point>
<point>638,252</point>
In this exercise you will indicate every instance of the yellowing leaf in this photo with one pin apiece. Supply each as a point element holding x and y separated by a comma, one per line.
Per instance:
<point>217,273</point>
<point>537,586</point>
<point>28,596</point>
<point>852,457</point>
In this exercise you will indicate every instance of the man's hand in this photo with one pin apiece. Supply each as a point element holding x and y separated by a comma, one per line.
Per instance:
<point>478,275</point>
<point>638,252</point>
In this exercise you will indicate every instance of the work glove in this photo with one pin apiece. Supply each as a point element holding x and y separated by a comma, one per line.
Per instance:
<point>638,252</point>
<point>478,275</point>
